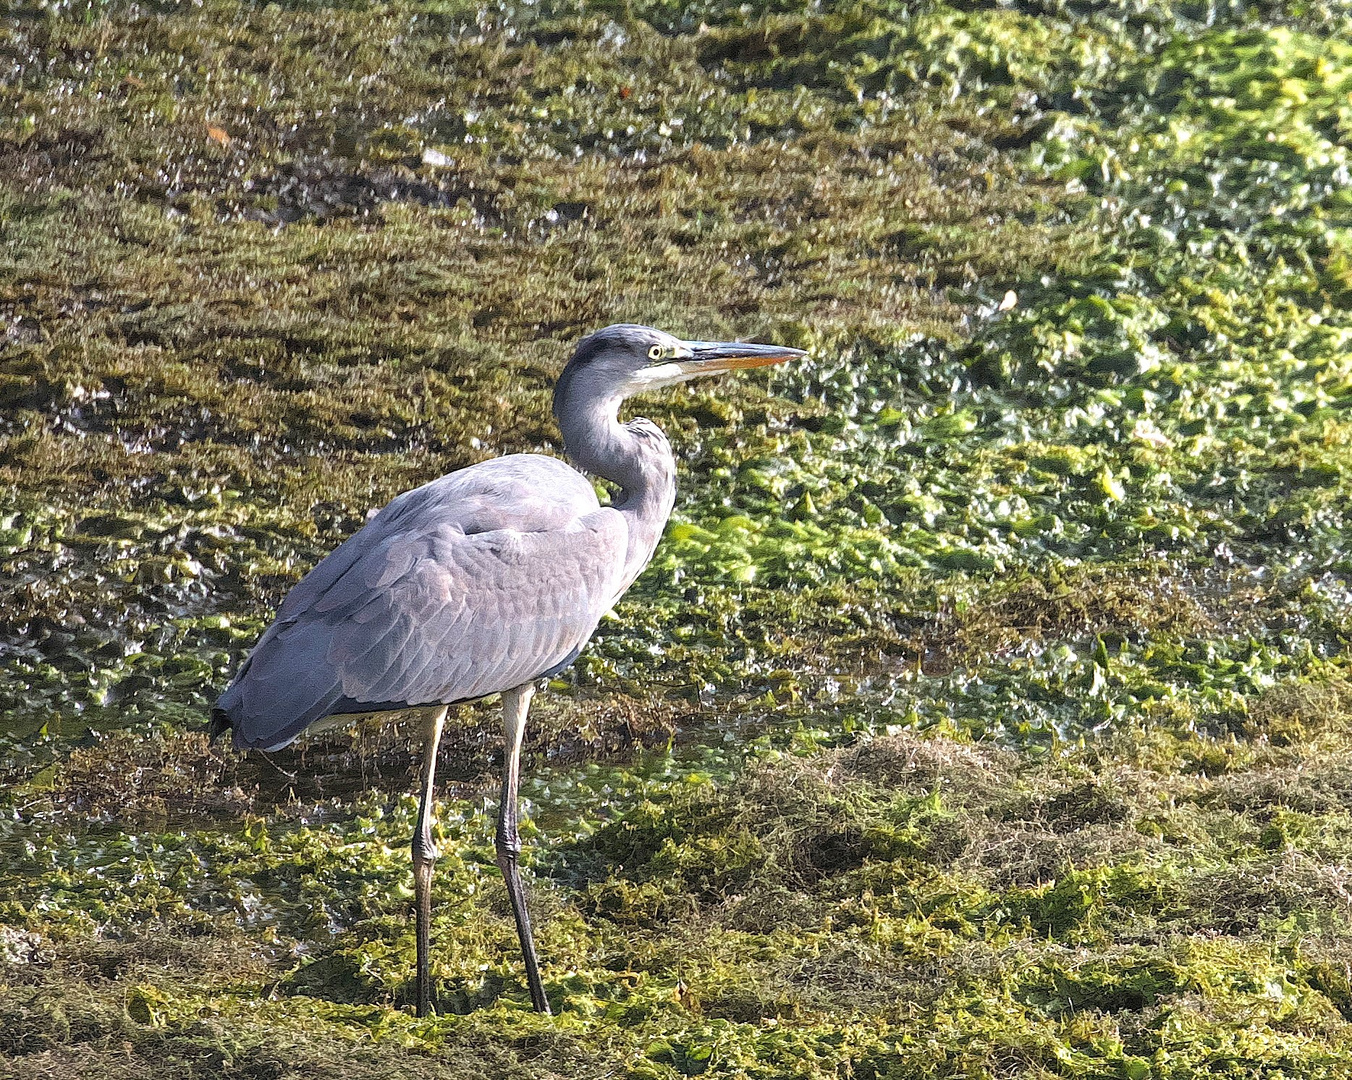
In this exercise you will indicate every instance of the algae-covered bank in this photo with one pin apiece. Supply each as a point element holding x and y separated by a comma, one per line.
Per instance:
<point>987,711</point>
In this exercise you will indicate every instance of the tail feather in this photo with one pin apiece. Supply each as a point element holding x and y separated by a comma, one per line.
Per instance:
<point>220,724</point>
<point>278,692</point>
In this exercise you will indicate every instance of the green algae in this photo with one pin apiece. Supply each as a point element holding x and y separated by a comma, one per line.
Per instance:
<point>925,905</point>
<point>264,267</point>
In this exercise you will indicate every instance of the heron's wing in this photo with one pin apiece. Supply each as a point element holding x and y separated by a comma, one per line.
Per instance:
<point>528,492</point>
<point>471,585</point>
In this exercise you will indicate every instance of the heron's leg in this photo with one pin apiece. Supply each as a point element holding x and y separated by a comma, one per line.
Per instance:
<point>515,704</point>
<point>425,854</point>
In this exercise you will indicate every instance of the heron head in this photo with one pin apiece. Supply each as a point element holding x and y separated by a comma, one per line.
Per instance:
<point>625,359</point>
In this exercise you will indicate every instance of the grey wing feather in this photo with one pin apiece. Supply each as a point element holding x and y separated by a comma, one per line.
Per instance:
<point>473,584</point>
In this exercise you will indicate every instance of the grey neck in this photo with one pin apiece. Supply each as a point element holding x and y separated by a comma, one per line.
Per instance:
<point>637,457</point>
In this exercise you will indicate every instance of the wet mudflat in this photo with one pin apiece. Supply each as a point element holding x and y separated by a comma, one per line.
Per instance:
<point>986,711</point>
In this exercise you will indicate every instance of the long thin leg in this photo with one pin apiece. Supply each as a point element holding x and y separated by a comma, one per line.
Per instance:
<point>425,855</point>
<point>515,705</point>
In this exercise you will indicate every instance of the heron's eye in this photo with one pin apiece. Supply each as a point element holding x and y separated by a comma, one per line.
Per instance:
<point>656,352</point>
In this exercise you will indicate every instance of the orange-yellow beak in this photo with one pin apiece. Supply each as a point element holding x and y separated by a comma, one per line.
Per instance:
<point>710,357</point>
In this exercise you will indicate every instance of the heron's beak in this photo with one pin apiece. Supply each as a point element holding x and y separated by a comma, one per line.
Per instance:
<point>710,357</point>
<point>694,358</point>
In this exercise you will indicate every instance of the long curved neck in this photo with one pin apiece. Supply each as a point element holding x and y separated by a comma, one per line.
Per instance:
<point>638,458</point>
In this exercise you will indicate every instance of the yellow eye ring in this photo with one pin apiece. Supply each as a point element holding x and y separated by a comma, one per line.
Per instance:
<point>656,352</point>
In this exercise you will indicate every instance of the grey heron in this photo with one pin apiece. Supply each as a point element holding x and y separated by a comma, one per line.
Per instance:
<point>482,582</point>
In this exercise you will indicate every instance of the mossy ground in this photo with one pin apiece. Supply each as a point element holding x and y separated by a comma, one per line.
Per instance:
<point>986,711</point>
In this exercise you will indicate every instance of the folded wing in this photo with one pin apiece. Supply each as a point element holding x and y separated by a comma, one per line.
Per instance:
<point>473,584</point>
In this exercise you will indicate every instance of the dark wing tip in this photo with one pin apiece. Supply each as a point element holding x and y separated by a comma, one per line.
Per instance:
<point>220,724</point>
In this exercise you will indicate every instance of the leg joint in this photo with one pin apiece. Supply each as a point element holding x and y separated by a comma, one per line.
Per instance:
<point>424,849</point>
